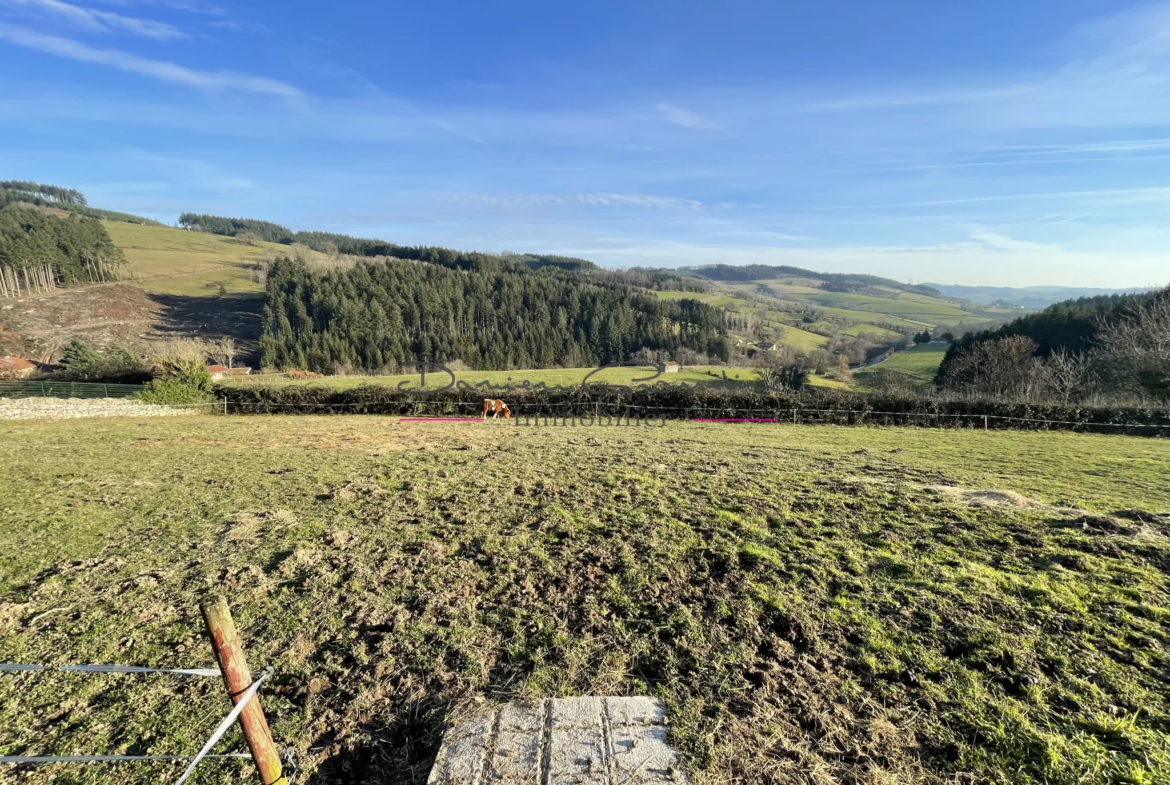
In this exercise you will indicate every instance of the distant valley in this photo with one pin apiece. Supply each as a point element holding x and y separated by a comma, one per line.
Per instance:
<point>1033,298</point>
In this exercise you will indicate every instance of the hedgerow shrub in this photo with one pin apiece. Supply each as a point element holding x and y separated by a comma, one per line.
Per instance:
<point>172,391</point>
<point>681,402</point>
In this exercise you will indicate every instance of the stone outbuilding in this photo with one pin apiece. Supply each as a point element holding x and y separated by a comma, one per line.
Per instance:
<point>220,371</point>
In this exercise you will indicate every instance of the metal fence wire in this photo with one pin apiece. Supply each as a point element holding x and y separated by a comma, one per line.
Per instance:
<point>55,389</point>
<point>193,760</point>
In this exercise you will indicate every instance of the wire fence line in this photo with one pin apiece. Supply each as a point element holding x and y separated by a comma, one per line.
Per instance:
<point>60,389</point>
<point>108,758</point>
<point>602,410</point>
<point>223,726</point>
<point>13,667</point>
<point>204,753</point>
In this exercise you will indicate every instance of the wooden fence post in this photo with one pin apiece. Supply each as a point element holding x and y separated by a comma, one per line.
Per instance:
<point>238,678</point>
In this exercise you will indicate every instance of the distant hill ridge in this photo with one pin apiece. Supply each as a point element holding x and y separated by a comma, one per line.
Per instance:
<point>1031,297</point>
<point>840,282</point>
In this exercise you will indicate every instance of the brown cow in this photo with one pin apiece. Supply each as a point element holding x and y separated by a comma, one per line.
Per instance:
<point>495,407</point>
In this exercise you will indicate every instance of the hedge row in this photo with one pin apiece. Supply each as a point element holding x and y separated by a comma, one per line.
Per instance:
<point>676,402</point>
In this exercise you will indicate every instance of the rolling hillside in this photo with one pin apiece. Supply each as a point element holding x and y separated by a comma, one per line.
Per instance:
<point>174,283</point>
<point>806,311</point>
<point>193,282</point>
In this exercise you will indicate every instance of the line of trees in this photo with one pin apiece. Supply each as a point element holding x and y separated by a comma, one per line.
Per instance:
<point>21,190</point>
<point>231,227</point>
<point>41,250</point>
<point>485,310</point>
<point>65,199</point>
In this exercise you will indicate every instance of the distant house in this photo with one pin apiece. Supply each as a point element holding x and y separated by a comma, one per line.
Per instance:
<point>668,368</point>
<point>767,347</point>
<point>219,371</point>
<point>16,367</point>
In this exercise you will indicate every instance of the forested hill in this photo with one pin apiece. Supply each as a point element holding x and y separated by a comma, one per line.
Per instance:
<point>487,311</point>
<point>837,282</point>
<point>1070,326</point>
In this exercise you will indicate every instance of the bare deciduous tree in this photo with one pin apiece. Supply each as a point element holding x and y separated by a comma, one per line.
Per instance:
<point>224,351</point>
<point>1006,367</point>
<point>892,383</point>
<point>777,371</point>
<point>1134,350</point>
<point>1068,376</point>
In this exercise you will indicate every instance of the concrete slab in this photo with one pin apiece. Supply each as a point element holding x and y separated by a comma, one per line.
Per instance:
<point>561,741</point>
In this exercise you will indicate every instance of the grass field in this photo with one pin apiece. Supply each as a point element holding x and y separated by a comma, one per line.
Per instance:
<point>901,304</point>
<point>166,260</point>
<point>815,604</point>
<point>550,377</point>
<point>921,362</point>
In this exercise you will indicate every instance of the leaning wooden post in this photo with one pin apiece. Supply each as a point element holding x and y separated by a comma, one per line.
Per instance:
<point>238,678</point>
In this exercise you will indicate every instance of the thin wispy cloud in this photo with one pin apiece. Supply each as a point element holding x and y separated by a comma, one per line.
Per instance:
<point>97,21</point>
<point>1124,145</point>
<point>1143,194</point>
<point>997,241</point>
<point>1115,72</point>
<point>218,81</point>
<point>682,117</point>
<point>233,26</point>
<point>1020,162</point>
<point>602,200</point>
<point>190,6</point>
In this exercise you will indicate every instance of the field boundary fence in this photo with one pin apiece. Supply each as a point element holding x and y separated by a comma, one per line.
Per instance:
<point>243,686</point>
<point>604,414</point>
<point>57,389</point>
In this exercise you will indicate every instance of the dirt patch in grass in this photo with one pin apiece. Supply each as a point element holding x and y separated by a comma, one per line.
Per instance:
<point>988,499</point>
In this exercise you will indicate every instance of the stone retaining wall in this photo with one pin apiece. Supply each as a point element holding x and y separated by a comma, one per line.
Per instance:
<point>74,408</point>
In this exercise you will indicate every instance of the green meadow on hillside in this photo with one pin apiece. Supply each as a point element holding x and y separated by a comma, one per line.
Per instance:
<point>166,260</point>
<point>921,362</point>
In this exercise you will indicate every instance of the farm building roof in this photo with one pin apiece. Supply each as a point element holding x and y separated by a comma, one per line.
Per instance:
<point>10,363</point>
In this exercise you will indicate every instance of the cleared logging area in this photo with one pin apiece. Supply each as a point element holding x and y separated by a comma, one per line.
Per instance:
<point>813,604</point>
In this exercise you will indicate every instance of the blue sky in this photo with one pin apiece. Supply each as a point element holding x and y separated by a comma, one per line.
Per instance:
<point>974,142</point>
